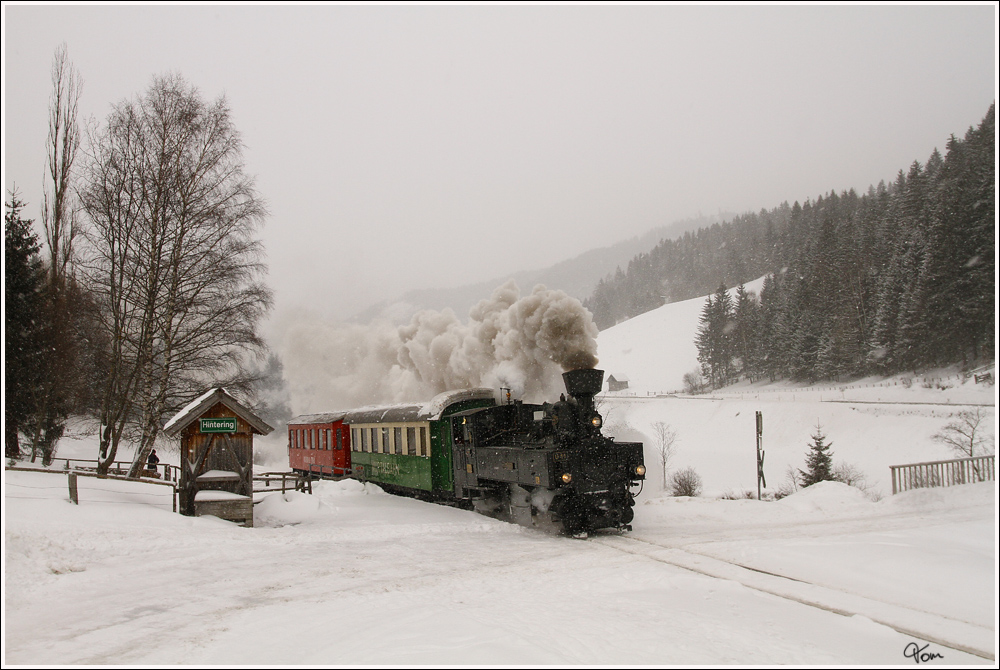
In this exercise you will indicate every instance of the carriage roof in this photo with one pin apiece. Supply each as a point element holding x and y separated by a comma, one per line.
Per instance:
<point>308,419</point>
<point>406,413</point>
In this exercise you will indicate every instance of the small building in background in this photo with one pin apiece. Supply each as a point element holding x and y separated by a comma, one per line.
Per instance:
<point>617,382</point>
<point>216,454</point>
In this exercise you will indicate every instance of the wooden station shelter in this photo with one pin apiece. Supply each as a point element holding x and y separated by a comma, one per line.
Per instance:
<point>216,434</point>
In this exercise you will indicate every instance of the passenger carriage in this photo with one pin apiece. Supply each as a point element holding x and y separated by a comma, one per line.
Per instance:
<point>320,444</point>
<point>410,446</point>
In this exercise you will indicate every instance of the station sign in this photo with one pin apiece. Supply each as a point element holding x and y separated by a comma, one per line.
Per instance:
<point>223,425</point>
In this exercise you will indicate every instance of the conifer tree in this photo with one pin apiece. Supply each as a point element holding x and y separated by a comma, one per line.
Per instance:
<point>714,341</point>
<point>746,343</point>
<point>819,460</point>
<point>23,348</point>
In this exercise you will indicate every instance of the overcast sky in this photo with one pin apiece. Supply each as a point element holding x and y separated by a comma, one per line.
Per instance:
<point>405,147</point>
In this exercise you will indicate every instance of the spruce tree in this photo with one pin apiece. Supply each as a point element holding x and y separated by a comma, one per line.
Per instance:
<point>819,460</point>
<point>24,352</point>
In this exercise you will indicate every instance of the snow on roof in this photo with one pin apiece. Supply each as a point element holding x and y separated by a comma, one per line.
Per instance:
<point>436,407</point>
<point>328,417</point>
<point>429,411</point>
<point>196,407</point>
<point>189,409</point>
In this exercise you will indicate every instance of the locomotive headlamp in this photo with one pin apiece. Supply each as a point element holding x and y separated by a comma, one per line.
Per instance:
<point>596,421</point>
<point>567,478</point>
<point>640,470</point>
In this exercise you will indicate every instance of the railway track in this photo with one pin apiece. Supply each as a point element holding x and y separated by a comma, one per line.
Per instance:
<point>945,631</point>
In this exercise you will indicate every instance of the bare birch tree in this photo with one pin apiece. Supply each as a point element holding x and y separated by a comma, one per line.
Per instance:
<point>665,437</point>
<point>965,435</point>
<point>172,253</point>
<point>968,437</point>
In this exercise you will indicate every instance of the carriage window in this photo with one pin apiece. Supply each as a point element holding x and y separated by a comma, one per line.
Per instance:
<point>385,442</point>
<point>374,432</point>
<point>397,435</point>
<point>340,440</point>
<point>423,449</point>
<point>411,441</point>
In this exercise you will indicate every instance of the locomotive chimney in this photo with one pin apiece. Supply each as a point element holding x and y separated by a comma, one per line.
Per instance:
<point>584,385</point>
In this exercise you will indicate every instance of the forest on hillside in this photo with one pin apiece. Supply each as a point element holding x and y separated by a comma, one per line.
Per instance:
<point>899,278</point>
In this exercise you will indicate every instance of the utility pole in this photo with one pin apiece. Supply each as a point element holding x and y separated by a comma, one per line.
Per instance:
<point>760,454</point>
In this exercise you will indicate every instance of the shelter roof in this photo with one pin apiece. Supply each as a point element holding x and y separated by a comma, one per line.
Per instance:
<point>206,401</point>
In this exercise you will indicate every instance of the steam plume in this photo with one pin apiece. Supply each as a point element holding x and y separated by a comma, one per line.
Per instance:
<point>523,343</point>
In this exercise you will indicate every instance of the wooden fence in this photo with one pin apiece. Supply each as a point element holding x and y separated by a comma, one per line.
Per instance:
<point>273,482</point>
<point>283,481</point>
<point>170,473</point>
<point>74,495</point>
<point>943,473</point>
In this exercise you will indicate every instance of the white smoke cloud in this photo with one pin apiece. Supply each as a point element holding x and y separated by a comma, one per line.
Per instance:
<point>523,343</point>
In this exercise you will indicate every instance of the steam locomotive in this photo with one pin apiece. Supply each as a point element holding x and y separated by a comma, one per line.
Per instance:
<point>546,466</point>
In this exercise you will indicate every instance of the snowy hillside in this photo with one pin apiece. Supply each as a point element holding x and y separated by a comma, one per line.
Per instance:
<point>871,423</point>
<point>656,349</point>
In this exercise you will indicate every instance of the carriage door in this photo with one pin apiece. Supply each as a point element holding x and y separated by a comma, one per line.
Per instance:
<point>461,456</point>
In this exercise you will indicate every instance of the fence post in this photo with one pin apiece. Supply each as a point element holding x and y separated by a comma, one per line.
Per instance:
<point>74,497</point>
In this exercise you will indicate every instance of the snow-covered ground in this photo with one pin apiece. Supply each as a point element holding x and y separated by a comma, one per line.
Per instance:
<point>352,576</point>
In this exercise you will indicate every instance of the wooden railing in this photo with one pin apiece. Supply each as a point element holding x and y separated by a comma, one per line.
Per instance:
<point>268,482</point>
<point>170,473</point>
<point>283,481</point>
<point>74,495</point>
<point>943,473</point>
